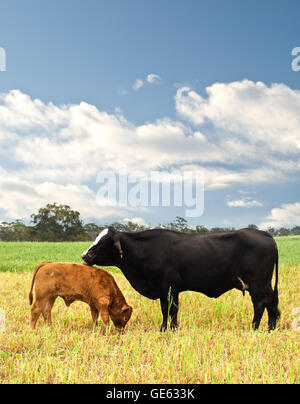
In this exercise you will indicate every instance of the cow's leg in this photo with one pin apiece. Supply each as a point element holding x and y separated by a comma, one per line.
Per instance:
<point>174,311</point>
<point>265,298</point>
<point>259,305</point>
<point>259,308</point>
<point>273,314</point>
<point>95,314</point>
<point>272,307</point>
<point>169,305</point>
<point>164,310</point>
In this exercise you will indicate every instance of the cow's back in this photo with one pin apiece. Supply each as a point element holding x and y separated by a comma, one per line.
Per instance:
<point>211,263</point>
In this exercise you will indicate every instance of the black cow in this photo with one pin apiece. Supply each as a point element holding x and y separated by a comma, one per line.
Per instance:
<point>160,264</point>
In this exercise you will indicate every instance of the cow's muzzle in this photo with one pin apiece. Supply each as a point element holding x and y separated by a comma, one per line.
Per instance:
<point>86,259</point>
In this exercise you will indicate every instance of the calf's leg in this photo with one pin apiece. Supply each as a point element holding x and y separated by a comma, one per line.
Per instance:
<point>95,314</point>
<point>104,315</point>
<point>34,315</point>
<point>102,308</point>
<point>46,307</point>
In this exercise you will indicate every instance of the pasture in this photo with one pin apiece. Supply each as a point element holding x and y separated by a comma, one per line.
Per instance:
<point>214,342</point>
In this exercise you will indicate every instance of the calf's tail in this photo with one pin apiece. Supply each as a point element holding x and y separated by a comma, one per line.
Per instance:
<point>33,279</point>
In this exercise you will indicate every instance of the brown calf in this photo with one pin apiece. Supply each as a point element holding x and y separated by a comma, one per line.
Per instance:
<point>93,286</point>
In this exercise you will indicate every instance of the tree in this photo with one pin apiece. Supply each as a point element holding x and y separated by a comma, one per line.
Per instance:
<point>180,224</point>
<point>272,231</point>
<point>132,227</point>
<point>283,232</point>
<point>58,223</point>
<point>295,231</point>
<point>92,230</point>
<point>252,226</point>
<point>217,229</point>
<point>14,231</point>
<point>201,229</point>
<point>129,226</point>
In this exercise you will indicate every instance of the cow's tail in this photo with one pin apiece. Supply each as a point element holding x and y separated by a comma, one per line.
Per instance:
<point>275,292</point>
<point>33,279</point>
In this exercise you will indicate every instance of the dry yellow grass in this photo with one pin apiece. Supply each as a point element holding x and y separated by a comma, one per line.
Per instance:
<point>214,342</point>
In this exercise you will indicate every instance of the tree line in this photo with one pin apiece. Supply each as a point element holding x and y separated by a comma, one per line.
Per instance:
<point>61,223</point>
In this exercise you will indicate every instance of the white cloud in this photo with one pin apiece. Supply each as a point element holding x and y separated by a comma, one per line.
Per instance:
<point>287,215</point>
<point>136,220</point>
<point>254,126</point>
<point>150,78</point>
<point>21,197</point>
<point>153,78</point>
<point>139,83</point>
<point>252,112</point>
<point>244,203</point>
<point>253,138</point>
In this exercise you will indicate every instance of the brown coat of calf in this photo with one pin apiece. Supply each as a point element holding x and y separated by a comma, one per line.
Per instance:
<point>93,286</point>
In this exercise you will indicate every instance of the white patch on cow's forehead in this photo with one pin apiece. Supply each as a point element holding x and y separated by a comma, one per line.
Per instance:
<point>99,237</point>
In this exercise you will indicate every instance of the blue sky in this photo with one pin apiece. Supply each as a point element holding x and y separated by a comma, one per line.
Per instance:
<point>69,52</point>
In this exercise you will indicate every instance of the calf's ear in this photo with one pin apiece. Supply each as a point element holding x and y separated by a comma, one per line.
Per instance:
<point>126,308</point>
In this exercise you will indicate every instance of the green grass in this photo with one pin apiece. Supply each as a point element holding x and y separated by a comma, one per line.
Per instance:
<point>24,256</point>
<point>214,342</point>
<point>19,257</point>
<point>289,250</point>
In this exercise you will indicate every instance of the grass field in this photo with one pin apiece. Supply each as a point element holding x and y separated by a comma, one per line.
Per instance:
<point>214,342</point>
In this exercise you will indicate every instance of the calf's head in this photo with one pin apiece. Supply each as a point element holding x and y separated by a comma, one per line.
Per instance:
<point>120,316</point>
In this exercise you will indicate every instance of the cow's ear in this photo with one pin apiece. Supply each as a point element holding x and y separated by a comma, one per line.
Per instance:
<point>117,245</point>
<point>111,230</point>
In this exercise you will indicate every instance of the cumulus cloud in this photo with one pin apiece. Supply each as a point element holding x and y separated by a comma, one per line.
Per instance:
<point>244,203</point>
<point>136,220</point>
<point>53,152</point>
<point>21,197</point>
<point>287,215</point>
<point>253,125</point>
<point>252,112</point>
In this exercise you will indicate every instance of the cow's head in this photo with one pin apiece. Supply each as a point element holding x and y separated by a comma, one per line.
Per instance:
<point>105,250</point>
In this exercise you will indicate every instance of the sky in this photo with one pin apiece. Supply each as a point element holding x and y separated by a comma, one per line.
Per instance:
<point>163,86</point>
